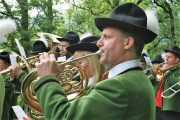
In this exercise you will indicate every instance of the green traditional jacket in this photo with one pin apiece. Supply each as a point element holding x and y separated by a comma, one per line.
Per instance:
<point>128,96</point>
<point>2,93</point>
<point>10,98</point>
<point>171,104</point>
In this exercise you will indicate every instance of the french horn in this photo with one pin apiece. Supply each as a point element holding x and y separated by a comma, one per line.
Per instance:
<point>73,89</point>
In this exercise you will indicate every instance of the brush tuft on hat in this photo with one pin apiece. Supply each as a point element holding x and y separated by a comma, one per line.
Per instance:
<point>6,26</point>
<point>163,55</point>
<point>152,21</point>
<point>44,40</point>
<point>85,35</point>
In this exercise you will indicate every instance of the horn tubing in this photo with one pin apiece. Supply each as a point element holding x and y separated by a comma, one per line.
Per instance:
<point>71,61</point>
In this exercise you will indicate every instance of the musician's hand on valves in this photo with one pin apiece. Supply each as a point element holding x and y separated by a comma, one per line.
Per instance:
<point>15,70</point>
<point>154,69</point>
<point>47,65</point>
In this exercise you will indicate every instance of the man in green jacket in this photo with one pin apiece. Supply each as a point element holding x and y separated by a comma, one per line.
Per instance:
<point>127,94</point>
<point>2,92</point>
<point>12,86</point>
<point>168,108</point>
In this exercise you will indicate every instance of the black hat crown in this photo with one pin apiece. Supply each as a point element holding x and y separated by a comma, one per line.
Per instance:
<point>86,44</point>
<point>158,59</point>
<point>70,37</point>
<point>5,56</point>
<point>128,17</point>
<point>175,50</point>
<point>38,47</point>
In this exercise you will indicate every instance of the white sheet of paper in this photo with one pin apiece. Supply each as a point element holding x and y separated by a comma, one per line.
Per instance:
<point>148,61</point>
<point>19,112</point>
<point>13,60</point>
<point>61,58</point>
<point>21,49</point>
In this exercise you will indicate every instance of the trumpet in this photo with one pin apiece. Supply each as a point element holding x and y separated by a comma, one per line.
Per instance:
<point>161,73</point>
<point>150,69</point>
<point>29,63</point>
<point>170,90</point>
<point>30,60</point>
<point>21,64</point>
<point>72,89</point>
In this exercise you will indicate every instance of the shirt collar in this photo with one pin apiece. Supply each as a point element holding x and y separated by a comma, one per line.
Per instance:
<point>119,68</point>
<point>91,79</point>
<point>70,58</point>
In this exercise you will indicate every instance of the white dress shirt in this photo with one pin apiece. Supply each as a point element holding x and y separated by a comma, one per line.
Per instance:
<point>119,68</point>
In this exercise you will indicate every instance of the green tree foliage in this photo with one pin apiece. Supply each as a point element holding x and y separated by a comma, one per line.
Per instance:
<point>79,17</point>
<point>83,13</point>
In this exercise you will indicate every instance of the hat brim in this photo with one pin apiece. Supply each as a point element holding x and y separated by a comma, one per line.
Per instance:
<point>39,51</point>
<point>172,52</point>
<point>82,47</point>
<point>146,34</point>
<point>156,61</point>
<point>67,40</point>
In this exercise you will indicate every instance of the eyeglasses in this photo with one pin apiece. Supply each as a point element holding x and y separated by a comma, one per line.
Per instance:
<point>63,46</point>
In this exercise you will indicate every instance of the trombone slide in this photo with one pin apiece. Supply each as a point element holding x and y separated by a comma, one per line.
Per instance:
<point>171,89</point>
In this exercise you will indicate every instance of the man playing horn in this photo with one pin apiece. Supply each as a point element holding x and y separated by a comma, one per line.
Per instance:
<point>2,93</point>
<point>127,93</point>
<point>168,108</point>
<point>12,85</point>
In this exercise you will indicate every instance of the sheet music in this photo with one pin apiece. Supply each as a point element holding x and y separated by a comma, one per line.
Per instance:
<point>148,61</point>
<point>13,59</point>
<point>19,112</point>
<point>21,50</point>
<point>63,58</point>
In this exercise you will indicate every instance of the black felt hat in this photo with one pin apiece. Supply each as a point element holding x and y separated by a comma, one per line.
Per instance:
<point>86,44</point>
<point>5,56</point>
<point>142,59</point>
<point>70,37</point>
<point>129,17</point>
<point>158,59</point>
<point>38,47</point>
<point>175,50</point>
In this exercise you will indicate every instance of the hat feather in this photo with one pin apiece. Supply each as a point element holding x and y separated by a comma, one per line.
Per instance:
<point>44,40</point>
<point>163,55</point>
<point>85,35</point>
<point>152,21</point>
<point>6,26</point>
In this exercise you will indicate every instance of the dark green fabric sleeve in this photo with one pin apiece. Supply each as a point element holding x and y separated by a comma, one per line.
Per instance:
<point>123,97</point>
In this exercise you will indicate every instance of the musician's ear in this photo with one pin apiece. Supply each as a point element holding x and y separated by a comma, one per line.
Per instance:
<point>128,42</point>
<point>177,60</point>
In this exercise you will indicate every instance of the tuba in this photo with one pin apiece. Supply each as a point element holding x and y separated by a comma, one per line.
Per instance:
<point>73,89</point>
